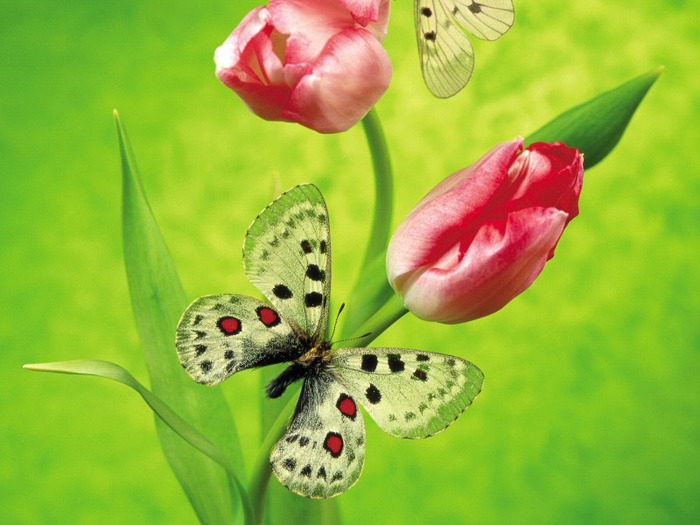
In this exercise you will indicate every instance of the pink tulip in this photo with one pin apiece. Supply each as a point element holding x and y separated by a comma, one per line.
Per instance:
<point>483,235</point>
<point>316,62</point>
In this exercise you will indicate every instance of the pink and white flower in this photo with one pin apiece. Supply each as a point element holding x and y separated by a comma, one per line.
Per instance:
<point>483,235</point>
<point>316,62</point>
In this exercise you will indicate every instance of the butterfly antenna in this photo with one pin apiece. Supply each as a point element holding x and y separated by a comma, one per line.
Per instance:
<point>353,338</point>
<point>337,316</point>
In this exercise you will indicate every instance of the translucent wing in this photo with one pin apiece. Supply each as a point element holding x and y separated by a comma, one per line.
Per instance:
<point>409,393</point>
<point>219,335</point>
<point>323,451</point>
<point>485,19</point>
<point>446,54</point>
<point>287,256</point>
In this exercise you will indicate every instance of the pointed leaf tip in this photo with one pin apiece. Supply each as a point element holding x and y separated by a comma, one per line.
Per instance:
<point>595,127</point>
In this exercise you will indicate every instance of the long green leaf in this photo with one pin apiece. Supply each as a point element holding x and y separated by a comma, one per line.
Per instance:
<point>158,301</point>
<point>114,372</point>
<point>595,127</point>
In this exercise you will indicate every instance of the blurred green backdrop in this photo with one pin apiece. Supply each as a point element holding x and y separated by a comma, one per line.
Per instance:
<point>590,408</point>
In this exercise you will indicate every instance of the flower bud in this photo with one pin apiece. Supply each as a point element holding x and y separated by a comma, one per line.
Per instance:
<point>316,62</point>
<point>483,235</point>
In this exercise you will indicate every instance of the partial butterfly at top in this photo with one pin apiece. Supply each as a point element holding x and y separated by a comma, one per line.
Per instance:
<point>446,54</point>
<point>409,393</point>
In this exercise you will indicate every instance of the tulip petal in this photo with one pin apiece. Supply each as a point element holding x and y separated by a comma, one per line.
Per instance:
<point>373,15</point>
<point>247,63</point>
<point>310,24</point>
<point>444,215</point>
<point>349,77</point>
<point>502,260</point>
<point>548,175</point>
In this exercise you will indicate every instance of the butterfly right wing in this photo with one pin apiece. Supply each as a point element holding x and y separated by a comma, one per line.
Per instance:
<point>323,450</point>
<point>445,52</point>
<point>219,335</point>
<point>485,19</point>
<point>408,393</point>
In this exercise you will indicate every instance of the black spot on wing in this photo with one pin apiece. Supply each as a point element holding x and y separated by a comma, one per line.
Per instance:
<point>369,362</point>
<point>395,363</point>
<point>281,291</point>
<point>314,273</point>
<point>373,394</point>
<point>313,299</point>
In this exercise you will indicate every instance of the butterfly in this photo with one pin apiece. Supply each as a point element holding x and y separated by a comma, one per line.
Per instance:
<point>409,393</point>
<point>446,54</point>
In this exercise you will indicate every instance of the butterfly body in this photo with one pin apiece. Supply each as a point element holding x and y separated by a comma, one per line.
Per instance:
<point>409,393</point>
<point>445,52</point>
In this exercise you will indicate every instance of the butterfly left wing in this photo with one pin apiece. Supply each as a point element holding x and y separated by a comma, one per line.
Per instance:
<point>287,256</point>
<point>219,335</point>
<point>445,52</point>
<point>408,393</point>
<point>323,450</point>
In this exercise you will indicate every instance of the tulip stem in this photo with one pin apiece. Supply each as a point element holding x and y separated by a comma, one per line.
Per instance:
<point>392,311</point>
<point>383,186</point>
<point>371,290</point>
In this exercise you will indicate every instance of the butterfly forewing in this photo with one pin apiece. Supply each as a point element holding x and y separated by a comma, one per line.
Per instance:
<point>323,450</point>
<point>408,393</point>
<point>446,54</point>
<point>287,256</point>
<point>219,335</point>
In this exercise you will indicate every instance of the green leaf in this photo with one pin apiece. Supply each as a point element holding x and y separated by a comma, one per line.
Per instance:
<point>158,301</point>
<point>595,127</point>
<point>187,432</point>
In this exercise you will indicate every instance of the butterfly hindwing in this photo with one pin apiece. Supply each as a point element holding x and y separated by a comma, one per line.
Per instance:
<point>219,335</point>
<point>445,52</point>
<point>408,393</point>
<point>323,450</point>
<point>287,256</point>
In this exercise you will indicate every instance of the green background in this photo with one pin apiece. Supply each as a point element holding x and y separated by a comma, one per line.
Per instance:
<point>590,408</point>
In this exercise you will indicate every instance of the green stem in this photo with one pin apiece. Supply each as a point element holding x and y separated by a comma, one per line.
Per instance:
<point>366,299</point>
<point>392,311</point>
<point>260,476</point>
<point>383,186</point>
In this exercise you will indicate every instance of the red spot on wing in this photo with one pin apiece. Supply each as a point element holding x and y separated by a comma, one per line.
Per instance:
<point>347,407</point>
<point>334,444</point>
<point>229,325</point>
<point>268,316</point>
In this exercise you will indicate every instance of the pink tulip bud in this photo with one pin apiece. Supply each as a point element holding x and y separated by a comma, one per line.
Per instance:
<point>316,62</point>
<point>482,235</point>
